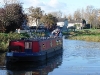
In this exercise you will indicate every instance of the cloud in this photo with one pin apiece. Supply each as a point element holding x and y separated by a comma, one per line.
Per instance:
<point>1,2</point>
<point>47,6</point>
<point>56,4</point>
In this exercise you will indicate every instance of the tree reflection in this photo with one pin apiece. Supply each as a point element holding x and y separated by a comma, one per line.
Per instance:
<point>2,59</point>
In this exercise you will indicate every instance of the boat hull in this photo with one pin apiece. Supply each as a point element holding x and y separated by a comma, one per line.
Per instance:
<point>40,56</point>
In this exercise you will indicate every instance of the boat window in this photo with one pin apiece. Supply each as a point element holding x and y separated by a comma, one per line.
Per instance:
<point>57,41</point>
<point>60,42</point>
<point>43,46</point>
<point>28,45</point>
<point>51,44</point>
<point>15,48</point>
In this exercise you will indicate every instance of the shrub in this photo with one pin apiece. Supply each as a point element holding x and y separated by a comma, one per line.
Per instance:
<point>5,38</point>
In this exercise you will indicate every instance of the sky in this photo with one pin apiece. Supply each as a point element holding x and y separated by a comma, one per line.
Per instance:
<point>65,6</point>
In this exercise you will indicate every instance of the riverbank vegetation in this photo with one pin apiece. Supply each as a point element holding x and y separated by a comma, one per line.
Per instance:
<point>6,37</point>
<point>86,35</point>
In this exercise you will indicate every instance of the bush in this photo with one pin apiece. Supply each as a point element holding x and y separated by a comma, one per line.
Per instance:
<point>5,38</point>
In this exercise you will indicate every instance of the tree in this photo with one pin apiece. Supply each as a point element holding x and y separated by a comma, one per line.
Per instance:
<point>69,17</point>
<point>13,16</point>
<point>77,15</point>
<point>90,15</point>
<point>49,21</point>
<point>83,23</point>
<point>35,13</point>
<point>2,29</point>
<point>56,14</point>
<point>98,19</point>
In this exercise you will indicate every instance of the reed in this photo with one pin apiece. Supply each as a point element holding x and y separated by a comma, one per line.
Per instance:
<point>86,35</point>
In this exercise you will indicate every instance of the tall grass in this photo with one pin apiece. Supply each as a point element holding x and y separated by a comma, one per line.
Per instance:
<point>86,35</point>
<point>87,38</point>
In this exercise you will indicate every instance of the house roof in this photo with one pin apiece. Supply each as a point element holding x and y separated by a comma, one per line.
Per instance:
<point>75,21</point>
<point>61,19</point>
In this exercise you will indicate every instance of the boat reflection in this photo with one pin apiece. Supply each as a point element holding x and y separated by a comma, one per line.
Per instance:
<point>34,68</point>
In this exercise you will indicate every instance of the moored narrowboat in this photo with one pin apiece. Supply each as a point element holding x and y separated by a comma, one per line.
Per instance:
<point>34,49</point>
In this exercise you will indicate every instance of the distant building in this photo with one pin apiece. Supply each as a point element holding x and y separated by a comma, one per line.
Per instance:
<point>32,22</point>
<point>77,24</point>
<point>62,23</point>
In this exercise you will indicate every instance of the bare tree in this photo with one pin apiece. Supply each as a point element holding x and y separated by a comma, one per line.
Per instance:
<point>82,11</point>
<point>69,17</point>
<point>98,17</point>
<point>56,14</point>
<point>91,15</point>
<point>77,15</point>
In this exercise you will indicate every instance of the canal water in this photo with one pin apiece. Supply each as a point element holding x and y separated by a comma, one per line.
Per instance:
<point>78,58</point>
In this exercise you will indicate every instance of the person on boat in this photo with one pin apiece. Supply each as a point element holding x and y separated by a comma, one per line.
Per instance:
<point>56,33</point>
<point>60,34</point>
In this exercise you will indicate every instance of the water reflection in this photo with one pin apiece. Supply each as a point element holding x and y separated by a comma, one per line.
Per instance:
<point>79,58</point>
<point>2,59</point>
<point>34,68</point>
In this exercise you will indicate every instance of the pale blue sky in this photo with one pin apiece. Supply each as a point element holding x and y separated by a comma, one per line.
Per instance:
<point>65,6</point>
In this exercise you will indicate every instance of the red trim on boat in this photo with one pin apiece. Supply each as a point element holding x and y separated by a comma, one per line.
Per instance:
<point>35,46</point>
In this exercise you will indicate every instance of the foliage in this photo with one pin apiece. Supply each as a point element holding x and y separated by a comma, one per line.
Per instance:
<point>5,38</point>
<point>87,35</point>
<point>12,16</point>
<point>77,25</point>
<point>56,14</point>
<point>49,21</point>
<point>35,13</point>
<point>90,14</point>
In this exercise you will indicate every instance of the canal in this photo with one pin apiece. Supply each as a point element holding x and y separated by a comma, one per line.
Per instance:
<point>78,58</point>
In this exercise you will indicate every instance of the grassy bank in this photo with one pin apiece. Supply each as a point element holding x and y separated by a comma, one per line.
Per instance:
<point>86,35</point>
<point>5,38</point>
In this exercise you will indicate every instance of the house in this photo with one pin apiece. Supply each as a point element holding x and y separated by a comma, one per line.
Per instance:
<point>77,24</point>
<point>62,23</point>
<point>32,22</point>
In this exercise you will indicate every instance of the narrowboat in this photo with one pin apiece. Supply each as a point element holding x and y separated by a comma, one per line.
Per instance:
<point>34,49</point>
<point>33,66</point>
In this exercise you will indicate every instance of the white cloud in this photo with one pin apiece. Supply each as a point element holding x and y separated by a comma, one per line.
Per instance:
<point>57,4</point>
<point>47,6</point>
<point>1,2</point>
